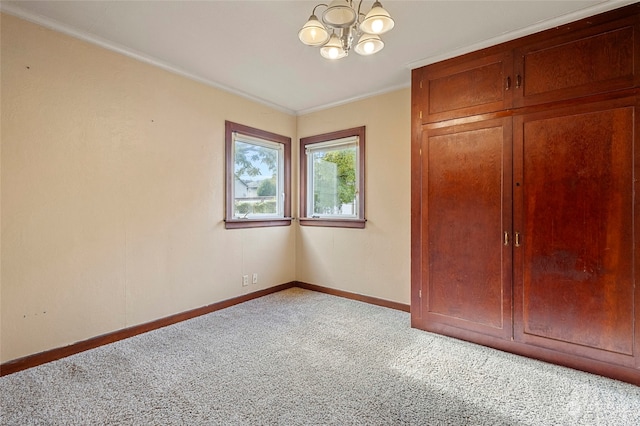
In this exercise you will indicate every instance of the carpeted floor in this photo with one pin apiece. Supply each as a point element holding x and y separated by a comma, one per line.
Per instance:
<point>301,357</point>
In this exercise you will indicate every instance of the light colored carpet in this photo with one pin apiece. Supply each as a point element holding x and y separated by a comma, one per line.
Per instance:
<point>301,357</point>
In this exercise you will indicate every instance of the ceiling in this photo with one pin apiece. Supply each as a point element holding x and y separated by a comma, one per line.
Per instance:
<point>251,48</point>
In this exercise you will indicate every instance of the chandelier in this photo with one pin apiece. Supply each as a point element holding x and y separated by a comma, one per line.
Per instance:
<point>341,24</point>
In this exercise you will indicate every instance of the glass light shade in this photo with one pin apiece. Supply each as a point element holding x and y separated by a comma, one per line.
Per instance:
<point>377,21</point>
<point>313,33</point>
<point>339,14</point>
<point>369,44</point>
<point>333,49</point>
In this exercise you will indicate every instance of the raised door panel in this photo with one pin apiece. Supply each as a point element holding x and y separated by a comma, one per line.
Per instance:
<point>466,86</point>
<point>574,285</point>
<point>593,60</point>
<point>467,267</point>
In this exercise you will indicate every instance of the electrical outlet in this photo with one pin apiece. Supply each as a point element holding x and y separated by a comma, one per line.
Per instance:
<point>255,278</point>
<point>245,280</point>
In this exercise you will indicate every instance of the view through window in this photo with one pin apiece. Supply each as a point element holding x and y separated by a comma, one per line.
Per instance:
<point>332,179</point>
<point>258,177</point>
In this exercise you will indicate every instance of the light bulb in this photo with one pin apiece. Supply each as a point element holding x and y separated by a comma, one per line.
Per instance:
<point>313,33</point>
<point>333,49</point>
<point>369,44</point>
<point>377,21</point>
<point>369,47</point>
<point>377,25</point>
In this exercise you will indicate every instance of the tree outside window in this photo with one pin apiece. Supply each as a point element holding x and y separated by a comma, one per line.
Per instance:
<point>332,179</point>
<point>257,172</point>
<point>258,177</point>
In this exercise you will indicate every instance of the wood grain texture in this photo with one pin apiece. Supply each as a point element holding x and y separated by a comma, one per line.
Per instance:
<point>476,86</point>
<point>573,109</point>
<point>583,62</point>
<point>466,263</point>
<point>598,59</point>
<point>594,55</point>
<point>577,224</point>
<point>416,198</point>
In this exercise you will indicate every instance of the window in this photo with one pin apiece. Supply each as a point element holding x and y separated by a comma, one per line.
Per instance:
<point>258,187</point>
<point>332,179</point>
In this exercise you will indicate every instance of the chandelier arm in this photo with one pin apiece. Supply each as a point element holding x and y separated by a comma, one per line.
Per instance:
<point>358,18</point>
<point>317,6</point>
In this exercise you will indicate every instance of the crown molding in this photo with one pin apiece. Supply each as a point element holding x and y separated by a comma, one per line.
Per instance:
<point>531,29</point>
<point>54,25</point>
<point>354,99</point>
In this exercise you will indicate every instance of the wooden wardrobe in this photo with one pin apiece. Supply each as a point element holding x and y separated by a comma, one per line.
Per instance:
<point>525,218</point>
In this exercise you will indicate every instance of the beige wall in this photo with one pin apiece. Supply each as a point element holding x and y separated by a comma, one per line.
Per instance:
<point>374,261</point>
<point>112,186</point>
<point>112,193</point>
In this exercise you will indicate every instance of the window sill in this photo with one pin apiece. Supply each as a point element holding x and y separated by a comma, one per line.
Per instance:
<point>333,223</point>
<point>256,223</point>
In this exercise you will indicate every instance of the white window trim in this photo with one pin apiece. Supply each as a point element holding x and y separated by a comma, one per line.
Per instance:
<point>280,194</point>
<point>329,146</point>
<point>328,140</point>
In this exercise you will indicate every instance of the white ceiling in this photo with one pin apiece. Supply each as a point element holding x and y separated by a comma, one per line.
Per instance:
<point>251,47</point>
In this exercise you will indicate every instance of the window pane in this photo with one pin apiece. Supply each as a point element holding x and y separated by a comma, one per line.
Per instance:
<point>258,180</point>
<point>332,190</point>
<point>333,181</point>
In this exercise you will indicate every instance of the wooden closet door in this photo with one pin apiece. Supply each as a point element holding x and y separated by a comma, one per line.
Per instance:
<point>466,208</point>
<point>469,85</point>
<point>575,210</point>
<point>595,59</point>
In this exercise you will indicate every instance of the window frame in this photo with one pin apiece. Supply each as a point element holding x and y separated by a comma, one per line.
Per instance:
<point>336,222</point>
<point>230,221</point>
